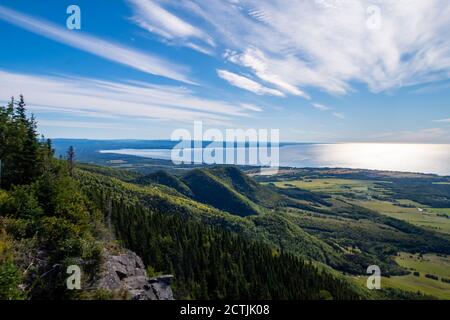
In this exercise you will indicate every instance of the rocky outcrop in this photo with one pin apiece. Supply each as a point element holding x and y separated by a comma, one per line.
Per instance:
<point>126,273</point>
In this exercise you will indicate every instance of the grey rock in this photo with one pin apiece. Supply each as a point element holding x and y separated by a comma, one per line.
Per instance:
<point>161,287</point>
<point>127,272</point>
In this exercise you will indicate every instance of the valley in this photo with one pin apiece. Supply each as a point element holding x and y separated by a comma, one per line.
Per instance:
<point>226,232</point>
<point>426,272</point>
<point>373,196</point>
<point>340,218</point>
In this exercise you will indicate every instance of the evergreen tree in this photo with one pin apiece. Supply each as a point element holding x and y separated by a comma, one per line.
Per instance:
<point>71,159</point>
<point>31,147</point>
<point>50,212</point>
<point>21,110</point>
<point>20,150</point>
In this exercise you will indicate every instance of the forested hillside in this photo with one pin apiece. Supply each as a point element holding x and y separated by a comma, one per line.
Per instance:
<point>53,215</point>
<point>46,222</point>
<point>210,263</point>
<point>313,225</point>
<point>213,254</point>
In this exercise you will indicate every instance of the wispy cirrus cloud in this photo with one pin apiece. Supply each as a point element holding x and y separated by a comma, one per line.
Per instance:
<point>247,84</point>
<point>432,88</point>
<point>427,135</point>
<point>255,60</point>
<point>251,107</point>
<point>82,124</point>
<point>151,16</point>
<point>443,120</point>
<point>321,107</point>
<point>117,53</point>
<point>339,115</point>
<point>98,98</point>
<point>328,44</point>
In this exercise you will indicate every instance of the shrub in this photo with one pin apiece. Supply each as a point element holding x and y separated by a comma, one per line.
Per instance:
<point>5,246</point>
<point>60,236</point>
<point>445,280</point>
<point>151,272</point>
<point>10,278</point>
<point>23,203</point>
<point>431,276</point>
<point>3,200</point>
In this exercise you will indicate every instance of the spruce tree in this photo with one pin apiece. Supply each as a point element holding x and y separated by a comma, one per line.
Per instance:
<point>71,159</point>
<point>31,150</point>
<point>20,150</point>
<point>21,110</point>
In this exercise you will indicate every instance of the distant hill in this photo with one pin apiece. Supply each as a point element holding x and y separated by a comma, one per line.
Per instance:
<point>242,183</point>
<point>164,178</point>
<point>213,190</point>
<point>223,187</point>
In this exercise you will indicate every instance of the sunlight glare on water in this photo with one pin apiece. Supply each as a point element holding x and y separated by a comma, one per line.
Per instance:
<point>423,158</point>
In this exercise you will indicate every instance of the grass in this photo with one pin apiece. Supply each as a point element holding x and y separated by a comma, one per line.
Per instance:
<point>430,218</point>
<point>407,202</point>
<point>362,192</point>
<point>430,263</point>
<point>333,186</point>
<point>441,211</point>
<point>412,283</point>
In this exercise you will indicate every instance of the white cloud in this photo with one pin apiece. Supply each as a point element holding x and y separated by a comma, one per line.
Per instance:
<point>247,84</point>
<point>97,98</point>
<point>428,135</point>
<point>151,16</point>
<point>443,120</point>
<point>81,124</point>
<point>339,115</point>
<point>432,88</point>
<point>114,52</point>
<point>321,107</point>
<point>327,44</point>
<point>255,60</point>
<point>251,107</point>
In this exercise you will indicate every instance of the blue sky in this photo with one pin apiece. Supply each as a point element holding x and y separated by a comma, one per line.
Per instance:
<point>319,70</point>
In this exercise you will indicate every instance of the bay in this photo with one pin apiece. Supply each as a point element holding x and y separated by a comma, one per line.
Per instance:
<point>423,158</point>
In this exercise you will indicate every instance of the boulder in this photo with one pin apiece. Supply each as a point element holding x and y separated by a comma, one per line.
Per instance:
<point>126,272</point>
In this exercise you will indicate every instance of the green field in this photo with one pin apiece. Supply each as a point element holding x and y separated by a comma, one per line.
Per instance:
<point>429,263</point>
<point>362,193</point>
<point>333,186</point>
<point>367,194</point>
<point>422,216</point>
<point>440,211</point>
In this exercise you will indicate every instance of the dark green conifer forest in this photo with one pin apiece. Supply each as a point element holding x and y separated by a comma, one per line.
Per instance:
<point>52,215</point>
